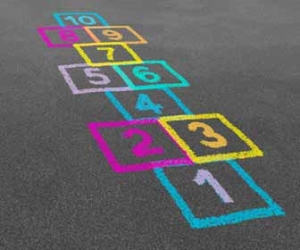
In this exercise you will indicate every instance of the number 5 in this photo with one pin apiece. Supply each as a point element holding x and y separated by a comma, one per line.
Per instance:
<point>110,52</point>
<point>91,72</point>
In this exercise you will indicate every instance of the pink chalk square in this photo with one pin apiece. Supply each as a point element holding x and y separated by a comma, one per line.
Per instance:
<point>67,36</point>
<point>115,150</point>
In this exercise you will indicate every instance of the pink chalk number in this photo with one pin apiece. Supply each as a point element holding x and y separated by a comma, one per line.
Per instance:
<point>68,36</point>
<point>143,148</point>
<point>204,176</point>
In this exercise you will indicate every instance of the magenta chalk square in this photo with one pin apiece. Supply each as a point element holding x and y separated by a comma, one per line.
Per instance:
<point>63,37</point>
<point>137,145</point>
<point>84,79</point>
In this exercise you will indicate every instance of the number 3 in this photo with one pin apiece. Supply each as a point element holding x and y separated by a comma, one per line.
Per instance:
<point>143,148</point>
<point>208,131</point>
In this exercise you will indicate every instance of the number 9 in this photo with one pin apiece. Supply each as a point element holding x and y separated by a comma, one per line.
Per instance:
<point>113,35</point>
<point>143,73</point>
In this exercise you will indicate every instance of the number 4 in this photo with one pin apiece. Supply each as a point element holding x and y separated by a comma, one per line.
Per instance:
<point>144,103</point>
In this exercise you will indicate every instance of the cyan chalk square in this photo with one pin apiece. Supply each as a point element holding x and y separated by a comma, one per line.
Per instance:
<point>154,82</point>
<point>272,208</point>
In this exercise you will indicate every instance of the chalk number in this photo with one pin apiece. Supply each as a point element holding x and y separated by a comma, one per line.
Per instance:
<point>94,73</point>
<point>204,176</point>
<point>143,148</point>
<point>218,142</point>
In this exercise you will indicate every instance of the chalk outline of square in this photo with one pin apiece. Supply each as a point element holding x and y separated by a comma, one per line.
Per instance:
<point>66,75</point>
<point>89,29</point>
<point>272,209</point>
<point>182,81</point>
<point>253,152</point>
<point>42,31</point>
<point>58,19</point>
<point>110,156</point>
<point>80,50</point>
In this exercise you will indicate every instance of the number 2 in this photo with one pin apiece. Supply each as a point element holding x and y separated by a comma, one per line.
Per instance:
<point>110,52</point>
<point>143,148</point>
<point>208,131</point>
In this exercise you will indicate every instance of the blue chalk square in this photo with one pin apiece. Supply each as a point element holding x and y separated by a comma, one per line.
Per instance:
<point>266,206</point>
<point>153,74</point>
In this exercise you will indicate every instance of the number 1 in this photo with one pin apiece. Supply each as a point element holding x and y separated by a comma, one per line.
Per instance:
<point>204,176</point>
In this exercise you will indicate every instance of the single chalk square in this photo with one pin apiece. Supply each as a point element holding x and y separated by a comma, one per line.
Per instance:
<point>63,37</point>
<point>107,54</point>
<point>137,145</point>
<point>151,74</point>
<point>233,208</point>
<point>150,103</point>
<point>209,137</point>
<point>119,33</point>
<point>83,79</point>
<point>79,18</point>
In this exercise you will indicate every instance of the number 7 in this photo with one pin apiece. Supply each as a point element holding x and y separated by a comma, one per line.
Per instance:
<point>110,52</point>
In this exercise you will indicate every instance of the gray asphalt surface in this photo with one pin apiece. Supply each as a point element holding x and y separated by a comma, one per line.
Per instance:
<point>57,190</point>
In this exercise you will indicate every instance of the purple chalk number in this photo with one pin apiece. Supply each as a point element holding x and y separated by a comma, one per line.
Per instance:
<point>94,72</point>
<point>204,176</point>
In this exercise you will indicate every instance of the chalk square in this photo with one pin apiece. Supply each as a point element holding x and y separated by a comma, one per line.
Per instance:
<point>182,82</point>
<point>44,30</point>
<point>95,129</point>
<point>272,208</point>
<point>80,48</point>
<point>253,152</point>
<point>76,90</point>
<point>139,38</point>
<point>58,17</point>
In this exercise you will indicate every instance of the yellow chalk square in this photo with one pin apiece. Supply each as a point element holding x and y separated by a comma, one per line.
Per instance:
<point>253,152</point>
<point>80,48</point>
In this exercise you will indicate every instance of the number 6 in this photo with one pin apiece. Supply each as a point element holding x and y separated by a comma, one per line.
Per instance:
<point>143,73</point>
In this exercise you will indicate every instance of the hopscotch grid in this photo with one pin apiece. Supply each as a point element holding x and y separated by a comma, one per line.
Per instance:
<point>273,209</point>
